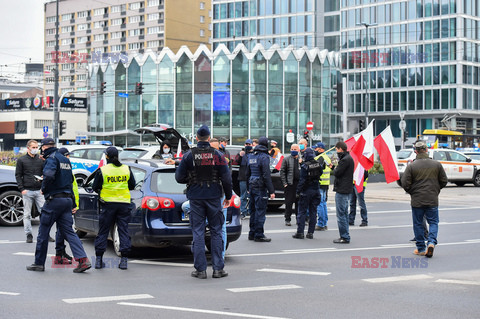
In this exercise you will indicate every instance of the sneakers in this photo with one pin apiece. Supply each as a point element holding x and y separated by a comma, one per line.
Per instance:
<point>309,236</point>
<point>430,249</point>
<point>29,238</point>
<point>83,264</point>
<point>62,258</point>
<point>298,236</point>
<point>219,273</point>
<point>363,224</point>
<point>99,264</point>
<point>420,253</point>
<point>34,267</point>
<point>262,239</point>
<point>199,274</point>
<point>123,263</point>
<point>341,241</point>
<point>288,223</point>
<point>321,228</point>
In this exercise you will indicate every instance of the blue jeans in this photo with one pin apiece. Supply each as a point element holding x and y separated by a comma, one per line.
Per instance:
<point>243,198</point>
<point>29,199</point>
<point>341,203</point>
<point>353,206</point>
<point>431,213</point>
<point>322,208</point>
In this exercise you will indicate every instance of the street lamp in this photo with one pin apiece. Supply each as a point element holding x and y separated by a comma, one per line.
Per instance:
<point>367,84</point>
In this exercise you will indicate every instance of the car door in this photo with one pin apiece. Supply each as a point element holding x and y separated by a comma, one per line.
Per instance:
<point>441,156</point>
<point>88,202</point>
<point>462,169</point>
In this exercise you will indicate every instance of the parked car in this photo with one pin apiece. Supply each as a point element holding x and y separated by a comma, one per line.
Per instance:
<point>157,219</point>
<point>11,202</point>
<point>459,168</point>
<point>85,159</point>
<point>164,132</point>
<point>473,155</point>
<point>143,152</point>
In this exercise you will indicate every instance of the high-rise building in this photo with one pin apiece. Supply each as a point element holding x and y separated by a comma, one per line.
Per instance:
<point>423,64</point>
<point>93,31</point>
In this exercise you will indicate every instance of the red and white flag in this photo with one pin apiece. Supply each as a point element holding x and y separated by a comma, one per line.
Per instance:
<point>351,141</point>
<point>179,149</point>
<point>363,148</point>
<point>280,157</point>
<point>103,161</point>
<point>385,146</point>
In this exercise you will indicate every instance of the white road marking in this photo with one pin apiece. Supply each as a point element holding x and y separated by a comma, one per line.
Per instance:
<point>213,312</point>
<point>296,272</point>
<point>159,263</point>
<point>460,282</point>
<point>9,293</point>
<point>397,278</point>
<point>264,288</point>
<point>30,254</point>
<point>11,241</point>
<point>107,298</point>
<point>396,245</point>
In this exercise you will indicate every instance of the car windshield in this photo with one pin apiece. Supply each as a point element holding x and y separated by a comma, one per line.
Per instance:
<point>474,156</point>
<point>131,153</point>
<point>403,154</point>
<point>163,181</point>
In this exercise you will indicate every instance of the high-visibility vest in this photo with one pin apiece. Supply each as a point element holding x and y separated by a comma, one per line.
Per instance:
<point>325,177</point>
<point>364,182</point>
<point>115,184</point>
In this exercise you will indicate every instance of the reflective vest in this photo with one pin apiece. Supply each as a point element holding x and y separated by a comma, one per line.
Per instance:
<point>115,184</point>
<point>325,177</point>
<point>364,182</point>
<point>204,171</point>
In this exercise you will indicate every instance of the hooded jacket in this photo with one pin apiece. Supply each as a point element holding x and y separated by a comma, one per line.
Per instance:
<point>344,174</point>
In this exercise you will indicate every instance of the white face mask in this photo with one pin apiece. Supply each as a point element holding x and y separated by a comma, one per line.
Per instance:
<point>166,150</point>
<point>34,151</point>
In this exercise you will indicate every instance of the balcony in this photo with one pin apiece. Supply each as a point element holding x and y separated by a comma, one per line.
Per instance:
<point>72,20</point>
<point>105,28</point>
<point>160,21</point>
<point>123,26</point>
<point>72,33</point>
<point>160,7</point>
<point>89,31</point>
<point>105,15</point>
<point>141,10</point>
<point>123,13</point>
<point>141,23</point>
<point>123,39</point>
<point>141,37</point>
<point>89,18</point>
<point>72,46</point>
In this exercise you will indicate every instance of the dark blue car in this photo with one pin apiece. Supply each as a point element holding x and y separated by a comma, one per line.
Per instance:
<point>157,217</point>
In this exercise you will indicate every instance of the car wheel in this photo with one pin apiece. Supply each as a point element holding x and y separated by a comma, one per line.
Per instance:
<point>11,208</point>
<point>460,184</point>
<point>476,180</point>
<point>80,233</point>
<point>80,179</point>
<point>116,240</point>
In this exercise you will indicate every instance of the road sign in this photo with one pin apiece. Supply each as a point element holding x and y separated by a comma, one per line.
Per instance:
<point>121,94</point>
<point>402,125</point>
<point>45,134</point>
<point>45,129</point>
<point>310,126</point>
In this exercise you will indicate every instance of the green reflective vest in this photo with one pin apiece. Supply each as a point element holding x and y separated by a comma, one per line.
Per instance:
<point>115,183</point>
<point>325,177</point>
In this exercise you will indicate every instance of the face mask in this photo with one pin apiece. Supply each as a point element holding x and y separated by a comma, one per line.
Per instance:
<point>166,150</point>
<point>34,151</point>
<point>248,148</point>
<point>317,153</point>
<point>42,152</point>
<point>294,153</point>
<point>302,147</point>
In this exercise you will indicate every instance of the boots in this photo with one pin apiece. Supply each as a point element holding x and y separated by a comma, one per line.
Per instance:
<point>99,264</point>
<point>123,263</point>
<point>83,264</point>
<point>62,258</point>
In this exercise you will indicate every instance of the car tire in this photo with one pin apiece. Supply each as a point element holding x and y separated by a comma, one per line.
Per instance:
<point>116,240</point>
<point>80,233</point>
<point>11,208</point>
<point>460,184</point>
<point>80,179</point>
<point>476,180</point>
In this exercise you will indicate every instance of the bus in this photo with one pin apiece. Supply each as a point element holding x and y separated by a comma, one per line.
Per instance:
<point>450,139</point>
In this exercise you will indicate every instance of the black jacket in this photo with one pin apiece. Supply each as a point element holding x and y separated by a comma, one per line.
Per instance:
<point>287,174</point>
<point>28,166</point>
<point>242,162</point>
<point>344,174</point>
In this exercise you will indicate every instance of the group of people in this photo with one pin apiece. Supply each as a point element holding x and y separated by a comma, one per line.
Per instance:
<point>45,178</point>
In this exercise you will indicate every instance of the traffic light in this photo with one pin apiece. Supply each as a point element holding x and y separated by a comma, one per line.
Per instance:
<point>62,126</point>
<point>103,87</point>
<point>361,125</point>
<point>405,136</point>
<point>338,97</point>
<point>305,134</point>
<point>139,88</point>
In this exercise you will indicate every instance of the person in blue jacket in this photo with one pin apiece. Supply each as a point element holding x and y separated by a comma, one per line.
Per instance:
<point>59,202</point>
<point>260,186</point>
<point>205,171</point>
<point>308,191</point>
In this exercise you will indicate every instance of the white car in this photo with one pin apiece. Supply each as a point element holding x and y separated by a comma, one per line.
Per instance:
<point>143,152</point>
<point>459,168</point>
<point>85,159</point>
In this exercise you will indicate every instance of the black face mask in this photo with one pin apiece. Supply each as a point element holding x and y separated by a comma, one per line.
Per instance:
<point>248,148</point>
<point>317,153</point>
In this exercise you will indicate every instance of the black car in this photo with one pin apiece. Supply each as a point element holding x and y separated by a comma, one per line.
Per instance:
<point>276,180</point>
<point>157,218</point>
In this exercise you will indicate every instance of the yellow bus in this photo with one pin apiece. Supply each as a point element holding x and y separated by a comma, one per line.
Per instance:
<point>450,139</point>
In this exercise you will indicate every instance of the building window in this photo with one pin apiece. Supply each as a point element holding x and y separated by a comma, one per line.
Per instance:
<point>202,19</point>
<point>67,29</point>
<point>67,41</point>
<point>82,14</point>
<point>49,92</point>
<point>153,44</point>
<point>153,16</point>
<point>83,26</point>
<point>99,37</point>
<point>202,32</point>
<point>50,31</point>
<point>118,48</point>
<point>135,32</point>
<point>115,35</point>
<point>116,22</point>
<point>82,39</point>
<point>135,46</point>
<point>20,127</point>
<point>153,30</point>
<point>119,8</point>
<point>136,5</point>
<point>81,77</point>
<point>153,3</point>
<point>100,24</point>
<point>67,16</point>
<point>68,66</point>
<point>100,11</point>
<point>136,19</point>
<point>51,19</point>
<point>202,5</point>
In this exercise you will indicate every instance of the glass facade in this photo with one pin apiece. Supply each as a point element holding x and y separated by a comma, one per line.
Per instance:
<point>242,94</point>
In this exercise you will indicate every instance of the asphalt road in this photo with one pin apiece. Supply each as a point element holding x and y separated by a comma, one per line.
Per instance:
<point>287,278</point>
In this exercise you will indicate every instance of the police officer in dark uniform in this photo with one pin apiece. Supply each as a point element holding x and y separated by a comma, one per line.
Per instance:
<point>259,184</point>
<point>59,202</point>
<point>205,171</point>
<point>308,190</point>
<point>113,183</point>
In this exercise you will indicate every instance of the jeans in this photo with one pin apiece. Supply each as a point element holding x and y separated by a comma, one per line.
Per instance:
<point>353,206</point>
<point>224,229</point>
<point>243,198</point>
<point>322,208</point>
<point>28,199</point>
<point>431,214</point>
<point>341,203</point>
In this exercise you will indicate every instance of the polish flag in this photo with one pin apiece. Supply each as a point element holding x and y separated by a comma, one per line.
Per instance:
<point>179,149</point>
<point>280,157</point>
<point>363,148</point>
<point>351,141</point>
<point>385,146</point>
<point>103,161</point>
<point>358,175</point>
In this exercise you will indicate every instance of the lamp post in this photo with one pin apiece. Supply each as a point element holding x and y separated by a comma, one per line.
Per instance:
<point>367,84</point>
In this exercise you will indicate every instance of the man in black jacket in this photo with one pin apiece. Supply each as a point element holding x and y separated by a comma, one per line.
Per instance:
<point>242,161</point>
<point>343,187</point>
<point>290,175</point>
<point>29,166</point>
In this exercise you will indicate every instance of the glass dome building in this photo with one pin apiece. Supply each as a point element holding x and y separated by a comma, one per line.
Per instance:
<point>240,94</point>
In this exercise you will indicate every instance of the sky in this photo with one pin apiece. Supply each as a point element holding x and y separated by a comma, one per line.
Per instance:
<point>21,34</point>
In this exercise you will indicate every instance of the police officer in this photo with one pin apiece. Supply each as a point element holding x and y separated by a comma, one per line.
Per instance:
<point>113,183</point>
<point>324,184</point>
<point>205,171</point>
<point>59,202</point>
<point>308,191</point>
<point>259,183</point>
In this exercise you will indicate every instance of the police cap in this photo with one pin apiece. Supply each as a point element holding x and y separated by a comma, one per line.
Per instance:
<point>203,131</point>
<point>263,141</point>
<point>63,151</point>
<point>308,154</point>
<point>319,145</point>
<point>111,152</point>
<point>48,141</point>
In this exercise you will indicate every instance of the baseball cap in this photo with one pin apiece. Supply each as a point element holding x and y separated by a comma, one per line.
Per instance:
<point>273,141</point>
<point>63,151</point>
<point>203,131</point>
<point>111,151</point>
<point>48,141</point>
<point>319,145</point>
<point>420,144</point>
<point>248,141</point>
